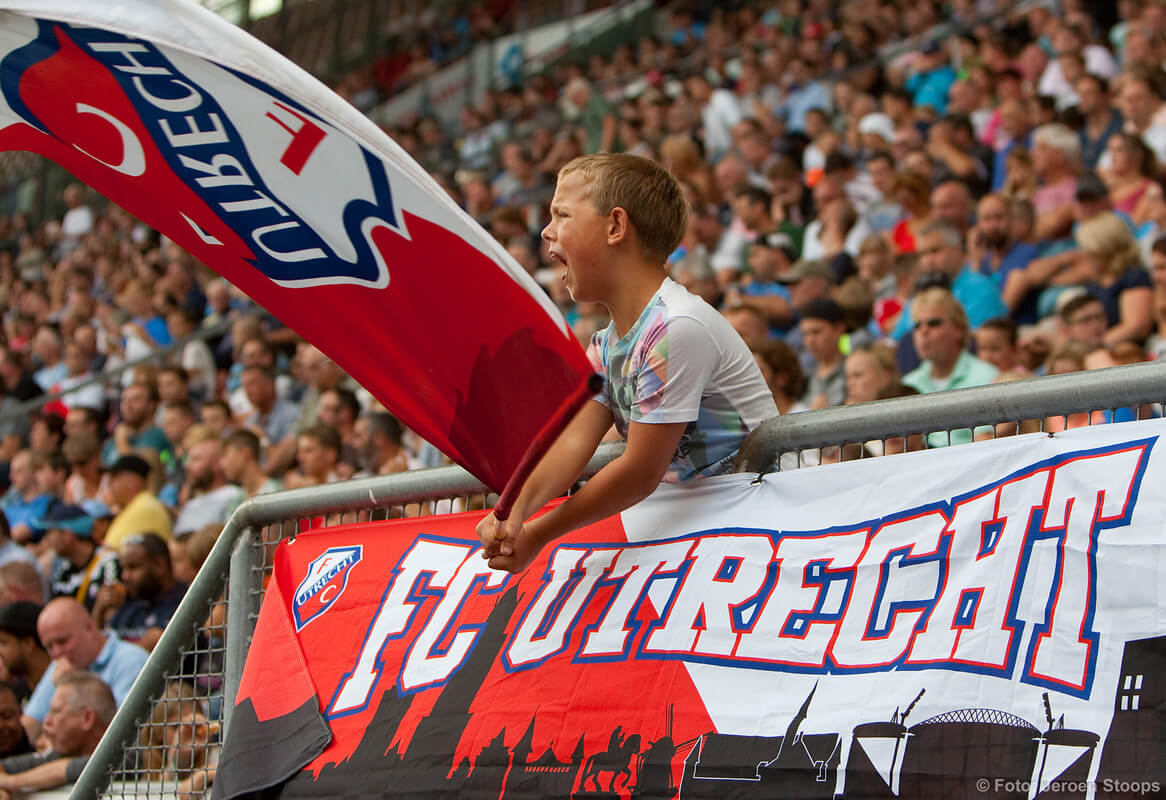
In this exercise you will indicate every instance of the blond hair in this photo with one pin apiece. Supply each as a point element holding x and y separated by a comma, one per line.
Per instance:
<point>1107,238</point>
<point>944,300</point>
<point>649,194</point>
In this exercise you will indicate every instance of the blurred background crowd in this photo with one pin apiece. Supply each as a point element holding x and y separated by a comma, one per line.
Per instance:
<point>887,197</point>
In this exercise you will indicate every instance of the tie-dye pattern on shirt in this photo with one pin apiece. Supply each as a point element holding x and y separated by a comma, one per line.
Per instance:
<point>635,389</point>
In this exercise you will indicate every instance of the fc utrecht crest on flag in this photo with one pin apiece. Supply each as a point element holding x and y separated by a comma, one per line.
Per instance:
<point>325,582</point>
<point>262,173</point>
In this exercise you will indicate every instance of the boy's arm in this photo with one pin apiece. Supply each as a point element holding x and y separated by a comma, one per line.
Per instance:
<point>556,471</point>
<point>622,483</point>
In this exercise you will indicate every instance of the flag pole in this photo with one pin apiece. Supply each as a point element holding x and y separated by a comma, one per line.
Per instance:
<point>542,442</point>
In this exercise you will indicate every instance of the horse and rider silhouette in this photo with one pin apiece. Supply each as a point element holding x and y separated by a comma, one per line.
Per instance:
<point>615,760</point>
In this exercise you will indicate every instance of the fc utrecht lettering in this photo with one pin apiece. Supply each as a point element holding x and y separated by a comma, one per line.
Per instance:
<point>935,587</point>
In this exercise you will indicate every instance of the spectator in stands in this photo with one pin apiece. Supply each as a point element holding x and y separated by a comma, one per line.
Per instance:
<point>941,336</point>
<point>783,374</point>
<point>1129,175</point>
<point>82,420</point>
<point>46,433</point>
<point>76,717</point>
<point>78,220</point>
<point>822,325</point>
<point>317,457</point>
<point>216,415</point>
<point>136,429</point>
<point>951,202</point>
<point>750,323</point>
<point>13,738</point>
<point>1115,275</point>
<point>91,395</point>
<point>1140,102</point>
<point>206,497</point>
<point>21,581</point>
<point>871,372</point>
<point>994,248</point>
<point>75,643</point>
<point>196,357</point>
<point>140,510</point>
<point>80,566</point>
<point>1056,157</point>
<point>24,502</point>
<point>272,419</point>
<point>941,250</point>
<point>996,344</point>
<point>22,656</point>
<point>148,594</point>
<point>10,550</point>
<point>240,464</point>
<point>48,350</point>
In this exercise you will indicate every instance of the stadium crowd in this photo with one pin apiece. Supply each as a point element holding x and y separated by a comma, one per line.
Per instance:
<point>977,207</point>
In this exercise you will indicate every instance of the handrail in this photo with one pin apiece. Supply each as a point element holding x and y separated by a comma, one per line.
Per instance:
<point>1109,388</point>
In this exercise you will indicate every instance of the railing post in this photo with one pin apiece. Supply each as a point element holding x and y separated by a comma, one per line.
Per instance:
<point>242,608</point>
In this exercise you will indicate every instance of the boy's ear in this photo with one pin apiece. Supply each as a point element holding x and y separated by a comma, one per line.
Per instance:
<point>618,225</point>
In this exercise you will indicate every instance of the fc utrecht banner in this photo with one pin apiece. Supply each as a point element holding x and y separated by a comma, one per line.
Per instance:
<point>984,621</point>
<point>264,174</point>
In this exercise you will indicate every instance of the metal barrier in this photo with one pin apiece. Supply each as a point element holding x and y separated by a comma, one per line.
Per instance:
<point>189,683</point>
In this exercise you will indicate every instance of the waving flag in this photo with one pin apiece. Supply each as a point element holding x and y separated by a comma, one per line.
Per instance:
<point>265,175</point>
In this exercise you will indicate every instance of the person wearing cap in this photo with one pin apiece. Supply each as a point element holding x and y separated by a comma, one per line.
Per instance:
<point>24,657</point>
<point>768,256</point>
<point>75,643</point>
<point>141,510</point>
<point>80,566</point>
<point>822,325</point>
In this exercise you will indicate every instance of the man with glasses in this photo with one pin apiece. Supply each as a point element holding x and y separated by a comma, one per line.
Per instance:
<point>941,337</point>
<point>1084,321</point>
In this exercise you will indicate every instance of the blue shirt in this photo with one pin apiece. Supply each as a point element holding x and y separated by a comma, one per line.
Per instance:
<point>22,512</point>
<point>1018,256</point>
<point>931,88</point>
<point>118,664</point>
<point>800,101</point>
<point>977,294</point>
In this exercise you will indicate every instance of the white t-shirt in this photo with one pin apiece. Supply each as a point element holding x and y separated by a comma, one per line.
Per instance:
<point>683,362</point>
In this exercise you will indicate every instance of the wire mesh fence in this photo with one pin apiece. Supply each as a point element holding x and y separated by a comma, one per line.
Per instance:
<point>164,742</point>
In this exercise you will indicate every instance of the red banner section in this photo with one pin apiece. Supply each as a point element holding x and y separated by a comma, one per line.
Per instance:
<point>301,202</point>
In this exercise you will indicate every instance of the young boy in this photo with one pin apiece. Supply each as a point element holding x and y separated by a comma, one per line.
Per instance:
<point>681,386</point>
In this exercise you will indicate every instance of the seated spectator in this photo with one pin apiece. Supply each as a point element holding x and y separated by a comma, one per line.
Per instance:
<point>80,566</point>
<point>783,374</point>
<point>9,550</point>
<point>179,743</point>
<point>770,255</point>
<point>379,441</point>
<point>24,502</point>
<point>82,452</point>
<point>21,581</point>
<point>1130,175</point>
<point>1117,277</point>
<point>13,738</point>
<point>189,552</point>
<point>823,324</point>
<point>941,339</point>
<point>74,642</point>
<point>46,432</point>
<point>148,594</point>
<point>951,202</point>
<point>24,658</point>
<point>1056,157</point>
<point>197,360</point>
<point>750,323</point>
<point>139,402</point>
<point>870,372</point>
<point>996,246</point>
<point>1084,321</point>
<point>271,419</point>
<point>140,509</point>
<point>81,708</point>
<point>941,250</point>
<point>317,454</point>
<point>206,497</point>
<point>240,465</point>
<point>996,344</point>
<point>216,415</point>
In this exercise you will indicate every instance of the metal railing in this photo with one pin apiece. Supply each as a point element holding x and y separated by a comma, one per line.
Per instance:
<point>205,644</point>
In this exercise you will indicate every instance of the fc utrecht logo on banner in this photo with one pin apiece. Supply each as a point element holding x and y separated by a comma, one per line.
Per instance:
<point>325,582</point>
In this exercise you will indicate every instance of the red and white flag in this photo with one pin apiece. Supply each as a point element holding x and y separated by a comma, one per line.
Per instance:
<point>268,177</point>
